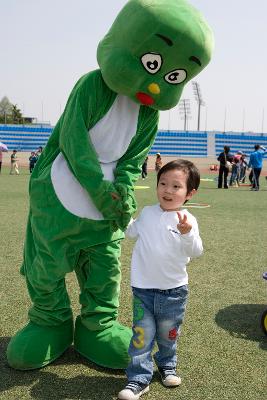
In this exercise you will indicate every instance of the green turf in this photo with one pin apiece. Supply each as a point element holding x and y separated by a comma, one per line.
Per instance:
<point>222,348</point>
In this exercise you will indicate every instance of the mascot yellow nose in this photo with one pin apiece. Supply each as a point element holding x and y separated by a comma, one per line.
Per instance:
<point>154,88</point>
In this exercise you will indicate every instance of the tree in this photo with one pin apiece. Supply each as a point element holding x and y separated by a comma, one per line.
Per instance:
<point>5,110</point>
<point>10,113</point>
<point>17,117</point>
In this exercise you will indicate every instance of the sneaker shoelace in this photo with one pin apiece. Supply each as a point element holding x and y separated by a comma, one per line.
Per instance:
<point>167,371</point>
<point>135,387</point>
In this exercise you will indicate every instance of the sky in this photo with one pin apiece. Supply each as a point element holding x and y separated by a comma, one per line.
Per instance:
<point>47,45</point>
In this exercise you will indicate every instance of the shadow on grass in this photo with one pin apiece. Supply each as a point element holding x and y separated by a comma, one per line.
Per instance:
<point>43,384</point>
<point>243,322</point>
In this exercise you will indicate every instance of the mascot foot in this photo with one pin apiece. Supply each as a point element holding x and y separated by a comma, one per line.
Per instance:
<point>107,348</point>
<point>35,346</point>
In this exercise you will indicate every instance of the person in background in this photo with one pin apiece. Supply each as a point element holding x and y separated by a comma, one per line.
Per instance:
<point>32,161</point>
<point>144,169</point>
<point>1,159</point>
<point>255,162</point>
<point>243,168</point>
<point>39,152</point>
<point>167,237</point>
<point>223,157</point>
<point>236,168</point>
<point>158,162</point>
<point>14,163</point>
<point>250,177</point>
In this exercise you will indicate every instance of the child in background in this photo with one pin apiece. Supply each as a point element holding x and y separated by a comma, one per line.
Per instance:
<point>144,168</point>
<point>14,163</point>
<point>167,237</point>
<point>32,161</point>
<point>236,169</point>
<point>39,151</point>
<point>158,162</point>
<point>243,169</point>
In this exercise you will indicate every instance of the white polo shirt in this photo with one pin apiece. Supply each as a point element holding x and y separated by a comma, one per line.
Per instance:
<point>161,252</point>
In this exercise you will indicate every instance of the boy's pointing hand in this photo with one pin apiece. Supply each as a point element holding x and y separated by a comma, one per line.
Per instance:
<point>184,226</point>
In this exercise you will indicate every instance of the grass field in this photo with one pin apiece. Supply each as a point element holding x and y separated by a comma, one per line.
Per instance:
<point>222,350</point>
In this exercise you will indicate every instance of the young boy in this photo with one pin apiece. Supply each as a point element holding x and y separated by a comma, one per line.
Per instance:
<point>166,240</point>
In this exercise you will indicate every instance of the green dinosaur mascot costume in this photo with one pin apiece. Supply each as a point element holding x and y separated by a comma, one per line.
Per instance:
<point>81,190</point>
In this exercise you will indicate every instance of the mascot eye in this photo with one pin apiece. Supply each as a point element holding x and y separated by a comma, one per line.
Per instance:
<point>176,76</point>
<point>152,62</point>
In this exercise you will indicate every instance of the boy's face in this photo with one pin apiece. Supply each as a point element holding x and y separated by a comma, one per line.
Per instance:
<point>172,190</point>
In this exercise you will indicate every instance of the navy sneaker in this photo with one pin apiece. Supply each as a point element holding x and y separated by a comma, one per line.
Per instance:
<point>133,391</point>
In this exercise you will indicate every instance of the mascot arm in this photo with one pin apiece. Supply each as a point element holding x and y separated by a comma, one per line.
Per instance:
<point>128,168</point>
<point>78,150</point>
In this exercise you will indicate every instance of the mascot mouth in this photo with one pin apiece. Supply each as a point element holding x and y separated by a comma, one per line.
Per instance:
<point>145,98</point>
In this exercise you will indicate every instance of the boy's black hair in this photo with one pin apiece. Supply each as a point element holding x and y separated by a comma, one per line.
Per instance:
<point>192,172</point>
<point>257,146</point>
<point>226,149</point>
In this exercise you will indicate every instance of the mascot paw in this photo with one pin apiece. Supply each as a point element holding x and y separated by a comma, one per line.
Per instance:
<point>107,348</point>
<point>35,346</point>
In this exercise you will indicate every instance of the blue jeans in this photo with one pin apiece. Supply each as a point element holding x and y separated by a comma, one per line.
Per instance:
<point>235,174</point>
<point>157,316</point>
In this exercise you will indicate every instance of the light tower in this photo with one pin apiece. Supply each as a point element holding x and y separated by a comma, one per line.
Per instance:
<point>184,110</point>
<point>200,102</point>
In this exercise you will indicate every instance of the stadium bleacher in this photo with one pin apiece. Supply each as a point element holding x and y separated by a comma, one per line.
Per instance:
<point>204,144</point>
<point>180,143</point>
<point>168,143</point>
<point>238,141</point>
<point>25,137</point>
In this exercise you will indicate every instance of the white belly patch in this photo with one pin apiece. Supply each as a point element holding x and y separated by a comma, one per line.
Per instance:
<point>118,126</point>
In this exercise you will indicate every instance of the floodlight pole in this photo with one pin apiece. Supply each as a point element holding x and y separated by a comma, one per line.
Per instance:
<point>184,108</point>
<point>169,120</point>
<point>198,117</point>
<point>243,121</point>
<point>224,122</point>
<point>185,115</point>
<point>200,102</point>
<point>42,111</point>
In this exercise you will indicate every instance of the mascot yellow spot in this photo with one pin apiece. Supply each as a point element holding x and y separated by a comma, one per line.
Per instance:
<point>154,88</point>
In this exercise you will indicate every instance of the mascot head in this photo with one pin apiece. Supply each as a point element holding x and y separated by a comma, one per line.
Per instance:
<point>153,49</point>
